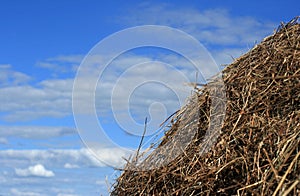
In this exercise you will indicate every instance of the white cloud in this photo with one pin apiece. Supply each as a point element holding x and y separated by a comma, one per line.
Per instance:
<point>52,98</point>
<point>56,158</point>
<point>70,166</point>
<point>36,170</point>
<point>3,140</point>
<point>139,84</point>
<point>212,26</point>
<point>2,178</point>
<point>67,58</point>
<point>215,27</point>
<point>35,132</point>
<point>17,192</point>
<point>9,77</point>
<point>63,192</point>
<point>100,182</point>
<point>61,64</point>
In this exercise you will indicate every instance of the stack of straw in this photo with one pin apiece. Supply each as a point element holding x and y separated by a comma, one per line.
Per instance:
<point>257,151</point>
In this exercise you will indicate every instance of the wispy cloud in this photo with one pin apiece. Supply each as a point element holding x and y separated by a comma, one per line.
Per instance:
<point>35,132</point>
<point>62,157</point>
<point>61,64</point>
<point>224,34</point>
<point>211,26</point>
<point>37,170</point>
<point>17,192</point>
<point>53,97</point>
<point>70,166</point>
<point>10,77</point>
<point>3,140</point>
<point>50,98</point>
<point>66,194</point>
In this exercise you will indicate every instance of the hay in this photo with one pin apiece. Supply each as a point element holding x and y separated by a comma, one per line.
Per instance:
<point>258,151</point>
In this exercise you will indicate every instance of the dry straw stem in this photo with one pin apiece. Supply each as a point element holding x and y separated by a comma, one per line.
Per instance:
<point>258,150</point>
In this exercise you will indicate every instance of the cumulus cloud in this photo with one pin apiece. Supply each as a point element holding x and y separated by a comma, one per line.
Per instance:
<point>36,170</point>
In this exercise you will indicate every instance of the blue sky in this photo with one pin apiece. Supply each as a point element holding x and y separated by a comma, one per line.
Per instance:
<point>44,42</point>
